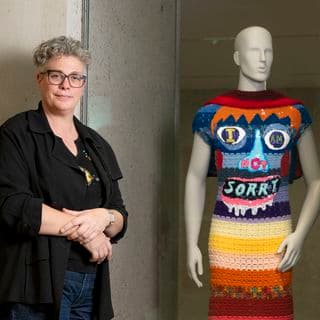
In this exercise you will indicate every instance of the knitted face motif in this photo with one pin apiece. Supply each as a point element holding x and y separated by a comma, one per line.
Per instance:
<point>254,142</point>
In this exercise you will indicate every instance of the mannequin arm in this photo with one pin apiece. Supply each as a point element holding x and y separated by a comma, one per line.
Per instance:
<point>311,171</point>
<point>194,204</point>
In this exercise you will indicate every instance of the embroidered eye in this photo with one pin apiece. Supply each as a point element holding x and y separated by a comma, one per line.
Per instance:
<point>277,139</point>
<point>231,135</point>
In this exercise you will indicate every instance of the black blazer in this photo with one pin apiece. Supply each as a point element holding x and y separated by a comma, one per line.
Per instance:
<point>33,171</point>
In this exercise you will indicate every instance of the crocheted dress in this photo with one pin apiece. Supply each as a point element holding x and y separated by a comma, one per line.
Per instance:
<point>253,137</point>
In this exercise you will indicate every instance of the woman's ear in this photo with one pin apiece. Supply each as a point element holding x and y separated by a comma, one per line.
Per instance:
<point>38,76</point>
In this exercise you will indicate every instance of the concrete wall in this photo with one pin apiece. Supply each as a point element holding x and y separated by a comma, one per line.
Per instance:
<point>131,102</point>
<point>192,301</point>
<point>23,25</point>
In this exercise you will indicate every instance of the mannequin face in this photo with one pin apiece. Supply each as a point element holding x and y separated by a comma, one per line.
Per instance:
<point>254,53</point>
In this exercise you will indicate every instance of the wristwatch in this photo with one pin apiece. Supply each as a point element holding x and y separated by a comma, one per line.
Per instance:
<point>112,219</point>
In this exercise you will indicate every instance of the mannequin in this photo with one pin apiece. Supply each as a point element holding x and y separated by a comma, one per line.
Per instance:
<point>254,148</point>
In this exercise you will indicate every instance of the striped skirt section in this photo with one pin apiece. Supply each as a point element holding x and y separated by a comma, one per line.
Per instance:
<point>245,282</point>
<point>251,318</point>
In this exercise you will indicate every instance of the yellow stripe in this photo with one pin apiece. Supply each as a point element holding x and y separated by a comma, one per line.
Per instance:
<point>250,230</point>
<point>244,246</point>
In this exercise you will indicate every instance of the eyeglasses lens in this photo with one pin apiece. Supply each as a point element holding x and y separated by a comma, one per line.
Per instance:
<point>57,78</point>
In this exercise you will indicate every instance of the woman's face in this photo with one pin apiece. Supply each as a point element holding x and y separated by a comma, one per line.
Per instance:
<point>60,98</point>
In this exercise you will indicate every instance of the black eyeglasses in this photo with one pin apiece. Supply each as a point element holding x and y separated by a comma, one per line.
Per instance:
<point>57,78</point>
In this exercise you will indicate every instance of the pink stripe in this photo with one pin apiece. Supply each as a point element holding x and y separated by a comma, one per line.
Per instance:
<point>244,261</point>
<point>290,317</point>
<point>259,179</point>
<point>249,203</point>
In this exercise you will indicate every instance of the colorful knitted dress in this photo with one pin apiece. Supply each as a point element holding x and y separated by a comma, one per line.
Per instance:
<point>253,137</point>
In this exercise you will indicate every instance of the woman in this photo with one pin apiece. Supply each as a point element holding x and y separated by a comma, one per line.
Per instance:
<point>60,204</point>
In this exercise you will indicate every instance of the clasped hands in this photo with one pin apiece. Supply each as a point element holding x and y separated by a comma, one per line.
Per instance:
<point>87,227</point>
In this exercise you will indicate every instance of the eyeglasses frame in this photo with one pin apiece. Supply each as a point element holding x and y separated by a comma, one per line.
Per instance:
<point>84,77</point>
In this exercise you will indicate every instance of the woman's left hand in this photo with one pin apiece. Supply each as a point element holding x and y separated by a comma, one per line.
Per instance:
<point>88,223</point>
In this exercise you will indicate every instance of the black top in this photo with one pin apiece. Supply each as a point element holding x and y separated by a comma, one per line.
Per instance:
<point>37,168</point>
<point>79,259</point>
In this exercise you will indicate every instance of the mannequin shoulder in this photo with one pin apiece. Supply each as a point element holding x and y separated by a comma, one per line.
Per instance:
<point>304,112</point>
<point>208,109</point>
<point>204,115</point>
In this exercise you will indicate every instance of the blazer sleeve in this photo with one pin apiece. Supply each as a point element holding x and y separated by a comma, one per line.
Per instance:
<point>116,201</point>
<point>20,210</point>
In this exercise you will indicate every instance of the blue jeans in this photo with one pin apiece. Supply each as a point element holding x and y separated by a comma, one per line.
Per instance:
<point>20,311</point>
<point>76,302</point>
<point>78,294</point>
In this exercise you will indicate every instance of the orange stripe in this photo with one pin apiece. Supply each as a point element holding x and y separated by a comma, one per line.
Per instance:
<point>249,278</point>
<point>281,112</point>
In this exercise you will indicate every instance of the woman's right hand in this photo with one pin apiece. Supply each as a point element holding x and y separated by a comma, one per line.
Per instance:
<point>100,248</point>
<point>86,224</point>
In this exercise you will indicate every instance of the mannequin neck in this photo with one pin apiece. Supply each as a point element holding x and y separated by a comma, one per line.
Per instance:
<point>246,84</point>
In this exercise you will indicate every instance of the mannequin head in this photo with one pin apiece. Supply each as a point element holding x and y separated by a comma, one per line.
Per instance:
<point>254,55</point>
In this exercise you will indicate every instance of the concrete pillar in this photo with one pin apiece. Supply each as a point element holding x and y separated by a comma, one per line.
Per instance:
<point>131,102</point>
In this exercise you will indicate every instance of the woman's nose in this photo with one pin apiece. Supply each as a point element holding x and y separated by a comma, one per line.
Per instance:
<point>65,84</point>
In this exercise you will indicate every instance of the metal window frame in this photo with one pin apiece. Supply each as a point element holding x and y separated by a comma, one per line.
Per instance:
<point>85,15</point>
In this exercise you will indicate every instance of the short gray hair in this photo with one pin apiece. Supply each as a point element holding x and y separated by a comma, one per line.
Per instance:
<point>57,47</point>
